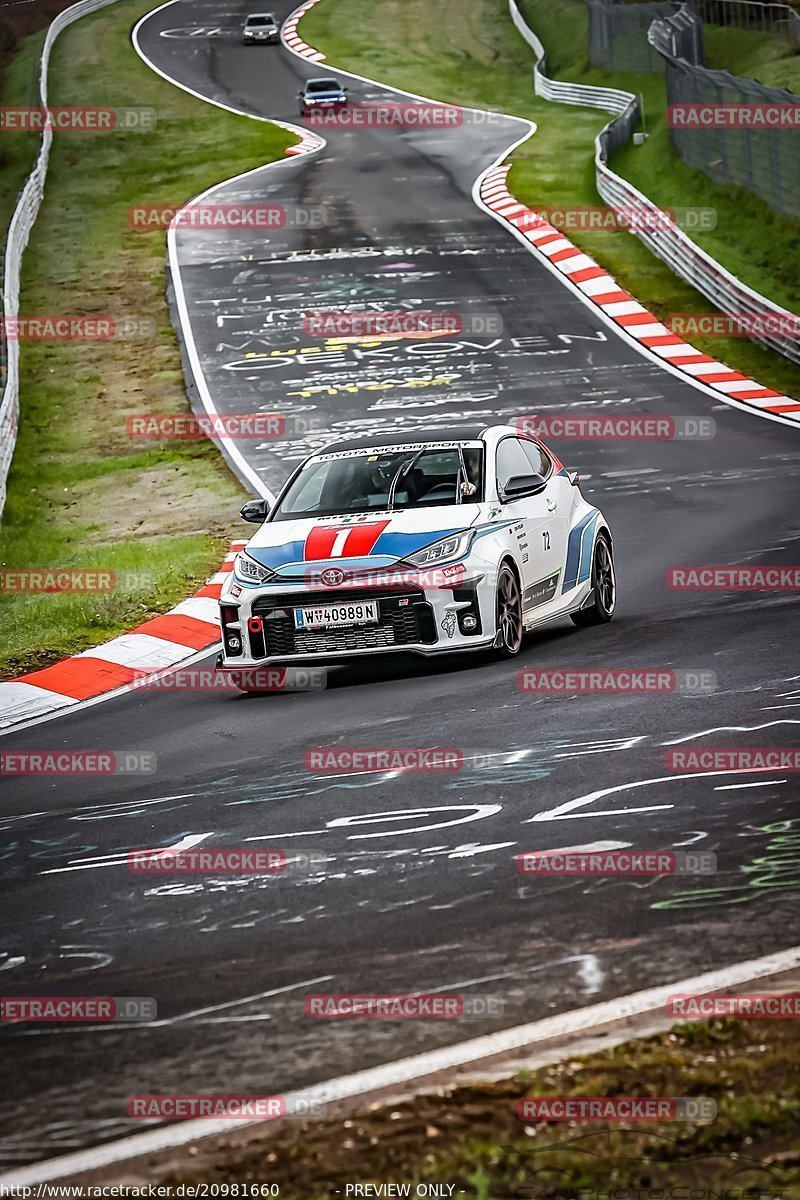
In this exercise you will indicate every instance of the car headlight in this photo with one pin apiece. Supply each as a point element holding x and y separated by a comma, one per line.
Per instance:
<point>249,571</point>
<point>454,546</point>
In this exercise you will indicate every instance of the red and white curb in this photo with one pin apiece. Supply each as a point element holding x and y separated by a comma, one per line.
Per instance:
<point>309,142</point>
<point>292,39</point>
<point>156,645</point>
<point>603,291</point>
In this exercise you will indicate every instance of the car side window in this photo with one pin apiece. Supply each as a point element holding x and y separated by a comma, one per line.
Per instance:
<point>511,460</point>
<point>539,459</point>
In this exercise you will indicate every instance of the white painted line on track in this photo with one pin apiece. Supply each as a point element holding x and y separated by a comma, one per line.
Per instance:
<point>244,470</point>
<point>409,1071</point>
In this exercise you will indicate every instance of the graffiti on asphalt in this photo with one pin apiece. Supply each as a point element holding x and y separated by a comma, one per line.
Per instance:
<point>777,869</point>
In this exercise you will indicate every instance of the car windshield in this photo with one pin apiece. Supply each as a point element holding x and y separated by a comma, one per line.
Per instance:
<point>265,20</point>
<point>394,478</point>
<point>322,85</point>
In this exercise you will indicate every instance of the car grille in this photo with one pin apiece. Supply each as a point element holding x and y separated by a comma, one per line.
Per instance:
<point>405,618</point>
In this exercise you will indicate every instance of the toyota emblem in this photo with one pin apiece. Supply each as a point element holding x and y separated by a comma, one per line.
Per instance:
<point>333,577</point>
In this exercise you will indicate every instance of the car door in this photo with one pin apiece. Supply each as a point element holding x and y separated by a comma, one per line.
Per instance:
<point>540,529</point>
<point>559,498</point>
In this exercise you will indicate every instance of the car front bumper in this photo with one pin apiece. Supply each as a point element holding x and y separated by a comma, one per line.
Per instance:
<point>416,616</point>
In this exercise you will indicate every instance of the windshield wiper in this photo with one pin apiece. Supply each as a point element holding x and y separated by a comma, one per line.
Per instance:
<point>402,470</point>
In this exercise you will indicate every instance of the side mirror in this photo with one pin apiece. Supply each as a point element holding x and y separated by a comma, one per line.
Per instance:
<point>522,485</point>
<point>255,511</point>
<point>574,478</point>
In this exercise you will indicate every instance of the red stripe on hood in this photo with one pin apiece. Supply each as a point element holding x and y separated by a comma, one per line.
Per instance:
<point>359,541</point>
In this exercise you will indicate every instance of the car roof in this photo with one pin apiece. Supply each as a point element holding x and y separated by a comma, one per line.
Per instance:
<point>323,79</point>
<point>450,433</point>
<point>252,16</point>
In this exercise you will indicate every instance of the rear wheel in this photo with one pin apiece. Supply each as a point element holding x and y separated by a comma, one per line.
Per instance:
<point>508,609</point>
<point>604,587</point>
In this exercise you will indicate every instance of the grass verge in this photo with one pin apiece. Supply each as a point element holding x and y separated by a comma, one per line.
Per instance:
<point>474,56</point>
<point>81,494</point>
<point>471,1137</point>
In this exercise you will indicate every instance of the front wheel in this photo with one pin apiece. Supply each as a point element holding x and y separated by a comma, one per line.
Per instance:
<point>604,587</point>
<point>508,608</point>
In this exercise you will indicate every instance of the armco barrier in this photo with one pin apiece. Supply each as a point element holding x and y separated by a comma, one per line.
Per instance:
<point>18,233</point>
<point>764,161</point>
<point>618,36</point>
<point>669,243</point>
<point>754,16</point>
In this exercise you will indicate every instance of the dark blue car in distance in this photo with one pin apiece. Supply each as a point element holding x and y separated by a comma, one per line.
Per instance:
<point>322,93</point>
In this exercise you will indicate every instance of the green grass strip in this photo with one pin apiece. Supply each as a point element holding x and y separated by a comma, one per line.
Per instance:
<point>82,494</point>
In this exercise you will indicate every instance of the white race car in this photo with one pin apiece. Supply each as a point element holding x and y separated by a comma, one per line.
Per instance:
<point>448,540</point>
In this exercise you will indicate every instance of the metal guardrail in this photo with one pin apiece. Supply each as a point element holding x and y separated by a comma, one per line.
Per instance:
<point>610,99</point>
<point>666,240</point>
<point>618,35</point>
<point>754,15</point>
<point>680,34</point>
<point>19,229</point>
<point>764,161</point>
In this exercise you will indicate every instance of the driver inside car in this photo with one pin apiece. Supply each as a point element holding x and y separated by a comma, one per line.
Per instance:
<point>472,462</point>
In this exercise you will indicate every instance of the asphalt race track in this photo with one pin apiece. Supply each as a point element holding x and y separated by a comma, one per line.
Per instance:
<point>419,889</point>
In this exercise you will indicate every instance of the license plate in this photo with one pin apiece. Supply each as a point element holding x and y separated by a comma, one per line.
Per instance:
<point>327,616</point>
